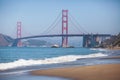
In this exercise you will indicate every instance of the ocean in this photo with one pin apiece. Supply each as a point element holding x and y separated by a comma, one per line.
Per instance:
<point>17,62</point>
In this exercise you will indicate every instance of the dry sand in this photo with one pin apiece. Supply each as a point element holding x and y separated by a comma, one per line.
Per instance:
<point>96,72</point>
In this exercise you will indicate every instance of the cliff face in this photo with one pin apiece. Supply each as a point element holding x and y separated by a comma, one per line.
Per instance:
<point>5,40</point>
<point>117,41</point>
<point>114,41</point>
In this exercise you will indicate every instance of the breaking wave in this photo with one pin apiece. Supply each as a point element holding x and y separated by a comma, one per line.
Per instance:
<point>61,59</point>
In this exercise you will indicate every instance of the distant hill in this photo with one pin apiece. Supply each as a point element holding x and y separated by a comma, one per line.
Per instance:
<point>5,40</point>
<point>34,42</point>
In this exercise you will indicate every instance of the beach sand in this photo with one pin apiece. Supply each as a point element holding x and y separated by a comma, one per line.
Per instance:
<point>96,72</point>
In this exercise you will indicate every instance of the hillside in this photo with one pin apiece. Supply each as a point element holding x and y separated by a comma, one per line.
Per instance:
<point>114,41</point>
<point>34,42</point>
<point>5,40</point>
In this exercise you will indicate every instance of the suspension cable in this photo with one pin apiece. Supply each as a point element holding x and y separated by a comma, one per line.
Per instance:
<point>78,23</point>
<point>52,25</point>
<point>77,29</point>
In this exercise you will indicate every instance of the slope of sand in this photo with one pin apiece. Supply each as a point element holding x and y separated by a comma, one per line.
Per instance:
<point>97,72</point>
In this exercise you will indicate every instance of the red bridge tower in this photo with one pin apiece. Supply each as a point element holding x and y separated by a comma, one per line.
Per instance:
<point>19,33</point>
<point>64,28</point>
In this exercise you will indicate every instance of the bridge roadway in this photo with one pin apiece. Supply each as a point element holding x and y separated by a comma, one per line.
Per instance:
<point>65,35</point>
<point>60,35</point>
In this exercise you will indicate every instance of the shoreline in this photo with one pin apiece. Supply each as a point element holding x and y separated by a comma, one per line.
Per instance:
<point>94,72</point>
<point>113,48</point>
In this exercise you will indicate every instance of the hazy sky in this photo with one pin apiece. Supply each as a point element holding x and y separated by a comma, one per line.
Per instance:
<point>95,16</point>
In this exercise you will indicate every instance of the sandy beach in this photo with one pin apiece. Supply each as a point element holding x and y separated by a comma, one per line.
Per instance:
<point>96,72</point>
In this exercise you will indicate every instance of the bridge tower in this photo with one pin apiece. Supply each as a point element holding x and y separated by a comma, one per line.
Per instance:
<point>19,33</point>
<point>64,28</point>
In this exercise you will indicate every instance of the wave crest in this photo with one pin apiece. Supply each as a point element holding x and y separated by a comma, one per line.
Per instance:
<point>61,59</point>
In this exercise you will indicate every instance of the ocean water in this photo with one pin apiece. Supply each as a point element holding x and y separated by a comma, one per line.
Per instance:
<point>15,63</point>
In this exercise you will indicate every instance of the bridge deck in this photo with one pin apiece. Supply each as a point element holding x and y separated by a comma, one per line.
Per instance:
<point>68,35</point>
<point>60,35</point>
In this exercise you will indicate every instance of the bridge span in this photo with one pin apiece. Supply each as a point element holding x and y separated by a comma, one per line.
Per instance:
<point>89,40</point>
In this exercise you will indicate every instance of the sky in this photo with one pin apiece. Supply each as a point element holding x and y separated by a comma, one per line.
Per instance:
<point>93,16</point>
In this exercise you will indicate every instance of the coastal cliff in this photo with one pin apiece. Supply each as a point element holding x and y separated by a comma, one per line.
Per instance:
<point>112,42</point>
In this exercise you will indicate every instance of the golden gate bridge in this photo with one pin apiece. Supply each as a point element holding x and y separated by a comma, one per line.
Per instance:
<point>89,40</point>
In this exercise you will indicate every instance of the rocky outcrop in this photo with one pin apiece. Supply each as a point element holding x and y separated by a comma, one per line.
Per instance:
<point>114,41</point>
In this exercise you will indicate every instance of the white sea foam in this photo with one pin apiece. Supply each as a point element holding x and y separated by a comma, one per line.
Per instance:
<point>98,49</point>
<point>61,59</point>
<point>15,72</point>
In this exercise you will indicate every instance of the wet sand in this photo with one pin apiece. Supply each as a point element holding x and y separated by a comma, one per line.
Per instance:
<point>114,48</point>
<point>111,57</point>
<point>96,72</point>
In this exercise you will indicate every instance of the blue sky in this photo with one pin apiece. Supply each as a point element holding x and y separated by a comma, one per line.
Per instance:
<point>95,16</point>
